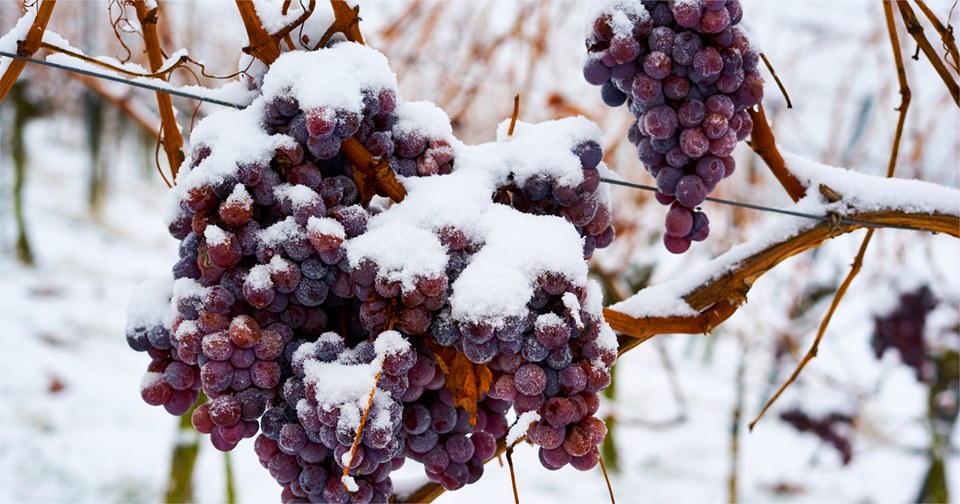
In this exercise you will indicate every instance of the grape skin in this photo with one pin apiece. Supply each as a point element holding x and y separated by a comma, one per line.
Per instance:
<point>697,82</point>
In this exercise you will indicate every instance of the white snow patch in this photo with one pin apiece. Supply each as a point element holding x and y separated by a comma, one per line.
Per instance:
<point>149,304</point>
<point>519,429</point>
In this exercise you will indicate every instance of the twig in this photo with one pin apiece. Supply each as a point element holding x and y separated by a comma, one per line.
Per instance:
<point>946,35</point>
<point>606,478</point>
<point>516,112</point>
<point>296,22</point>
<point>163,73</point>
<point>764,144</point>
<point>363,422</point>
<point>858,260</point>
<point>812,352</point>
<point>27,47</point>
<point>915,29</point>
<point>261,45</point>
<point>735,427</point>
<point>172,139</point>
<point>346,21</point>
<point>513,478</point>
<point>776,78</point>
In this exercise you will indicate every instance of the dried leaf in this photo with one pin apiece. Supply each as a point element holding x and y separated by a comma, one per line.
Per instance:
<point>468,382</point>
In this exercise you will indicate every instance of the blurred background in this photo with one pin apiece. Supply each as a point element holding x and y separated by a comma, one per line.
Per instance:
<point>80,226</point>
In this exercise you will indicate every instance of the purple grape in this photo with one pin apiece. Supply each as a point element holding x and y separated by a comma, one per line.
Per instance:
<point>657,65</point>
<point>710,169</point>
<point>679,221</point>
<point>691,113</point>
<point>693,142</point>
<point>667,180</point>
<point>624,49</point>
<point>691,191</point>
<point>676,245</point>
<point>714,21</point>
<point>660,122</point>
<point>707,62</point>
<point>645,88</point>
<point>687,14</point>
<point>661,40</point>
<point>612,96</point>
<point>595,72</point>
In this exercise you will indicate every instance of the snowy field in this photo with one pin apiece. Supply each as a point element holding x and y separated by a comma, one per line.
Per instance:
<point>74,429</point>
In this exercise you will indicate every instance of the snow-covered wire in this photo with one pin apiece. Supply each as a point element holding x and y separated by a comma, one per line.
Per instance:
<point>121,80</point>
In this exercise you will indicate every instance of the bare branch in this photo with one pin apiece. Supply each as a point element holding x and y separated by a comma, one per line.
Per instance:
<point>946,34</point>
<point>172,139</point>
<point>716,300</point>
<point>765,145</point>
<point>262,46</point>
<point>915,29</point>
<point>858,261</point>
<point>27,47</point>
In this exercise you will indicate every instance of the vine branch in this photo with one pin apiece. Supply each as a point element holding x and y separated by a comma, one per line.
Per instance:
<point>716,299</point>
<point>171,138</point>
<point>27,47</point>
<point>764,144</point>
<point>915,29</point>
<point>858,260</point>
<point>946,34</point>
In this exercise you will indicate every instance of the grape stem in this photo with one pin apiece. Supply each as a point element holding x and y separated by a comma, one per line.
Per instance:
<point>516,113</point>
<point>764,144</point>
<point>513,479</point>
<point>363,422</point>
<point>376,169</point>
<point>169,135</point>
<point>606,478</point>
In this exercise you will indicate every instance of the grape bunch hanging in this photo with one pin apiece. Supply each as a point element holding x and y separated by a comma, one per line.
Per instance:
<point>349,335</point>
<point>688,74</point>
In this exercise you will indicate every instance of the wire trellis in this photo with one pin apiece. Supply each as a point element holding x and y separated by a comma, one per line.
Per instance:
<point>834,218</point>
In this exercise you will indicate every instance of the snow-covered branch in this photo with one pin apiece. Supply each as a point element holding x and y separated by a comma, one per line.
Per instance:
<point>702,299</point>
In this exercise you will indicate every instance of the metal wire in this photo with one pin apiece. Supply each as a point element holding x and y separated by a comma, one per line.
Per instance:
<point>631,185</point>
<point>121,80</point>
<point>825,218</point>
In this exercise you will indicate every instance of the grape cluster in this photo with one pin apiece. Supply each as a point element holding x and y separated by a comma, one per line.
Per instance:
<point>688,74</point>
<point>902,330</point>
<point>439,435</point>
<point>832,429</point>
<point>580,204</point>
<point>325,344</point>
<point>550,362</point>
<point>169,381</point>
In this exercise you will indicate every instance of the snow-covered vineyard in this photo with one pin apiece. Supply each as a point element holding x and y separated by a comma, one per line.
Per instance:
<point>377,278</point>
